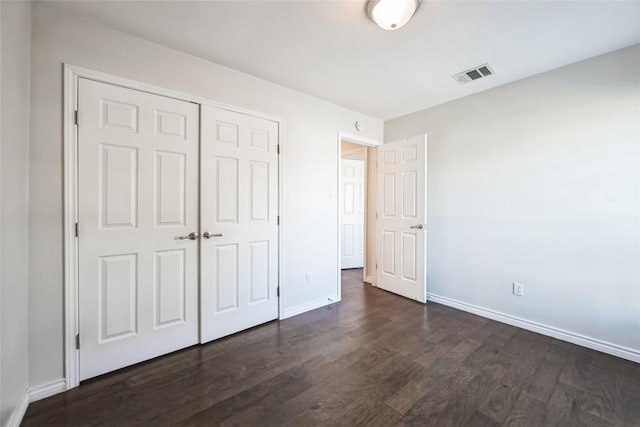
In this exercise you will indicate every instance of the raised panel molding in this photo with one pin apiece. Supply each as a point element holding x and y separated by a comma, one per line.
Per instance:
<point>259,190</point>
<point>389,195</point>
<point>349,198</point>
<point>348,237</point>
<point>227,133</point>
<point>409,194</point>
<point>389,157</point>
<point>388,252</point>
<point>408,256</point>
<point>258,271</point>
<point>118,115</point>
<point>170,124</point>
<point>170,185</point>
<point>118,283</point>
<point>226,286</point>
<point>409,154</point>
<point>227,189</point>
<point>118,186</point>
<point>259,140</point>
<point>169,287</point>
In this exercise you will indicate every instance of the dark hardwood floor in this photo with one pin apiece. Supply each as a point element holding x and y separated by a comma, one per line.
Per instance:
<point>374,359</point>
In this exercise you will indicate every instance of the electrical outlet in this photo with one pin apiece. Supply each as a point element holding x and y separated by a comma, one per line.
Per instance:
<point>308,278</point>
<point>518,289</point>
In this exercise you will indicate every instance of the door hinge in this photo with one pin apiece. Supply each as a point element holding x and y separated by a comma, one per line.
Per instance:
<point>76,227</point>
<point>78,342</point>
<point>278,291</point>
<point>376,265</point>
<point>278,148</point>
<point>75,117</point>
<point>278,220</point>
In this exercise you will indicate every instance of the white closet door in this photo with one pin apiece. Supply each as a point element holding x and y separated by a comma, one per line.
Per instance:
<point>352,202</point>
<point>239,211</point>
<point>138,181</point>
<point>402,215</point>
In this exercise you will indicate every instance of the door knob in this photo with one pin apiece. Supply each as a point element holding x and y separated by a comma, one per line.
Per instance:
<point>190,236</point>
<point>208,235</point>
<point>418,226</point>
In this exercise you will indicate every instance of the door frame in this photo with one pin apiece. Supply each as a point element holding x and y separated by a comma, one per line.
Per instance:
<point>366,143</point>
<point>72,74</point>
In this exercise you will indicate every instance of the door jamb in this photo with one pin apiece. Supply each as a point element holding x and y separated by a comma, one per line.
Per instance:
<point>366,143</point>
<point>71,75</point>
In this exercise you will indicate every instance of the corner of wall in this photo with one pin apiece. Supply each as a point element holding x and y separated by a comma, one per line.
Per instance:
<point>18,413</point>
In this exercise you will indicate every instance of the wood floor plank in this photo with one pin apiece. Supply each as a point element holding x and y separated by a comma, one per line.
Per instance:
<point>525,352</point>
<point>527,411</point>
<point>627,397</point>
<point>444,360</point>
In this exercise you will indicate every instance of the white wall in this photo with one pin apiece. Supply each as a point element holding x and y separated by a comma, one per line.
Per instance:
<point>309,155</point>
<point>538,182</point>
<point>14,142</point>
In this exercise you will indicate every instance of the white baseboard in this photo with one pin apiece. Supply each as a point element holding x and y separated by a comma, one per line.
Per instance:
<point>46,390</point>
<point>18,414</point>
<point>303,308</point>
<point>369,279</point>
<point>581,340</point>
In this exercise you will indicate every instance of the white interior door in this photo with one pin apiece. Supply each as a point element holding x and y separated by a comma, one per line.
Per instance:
<point>402,214</point>
<point>352,213</point>
<point>138,181</point>
<point>239,211</point>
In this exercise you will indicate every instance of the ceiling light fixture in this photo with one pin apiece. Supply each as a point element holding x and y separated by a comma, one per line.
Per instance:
<point>391,14</point>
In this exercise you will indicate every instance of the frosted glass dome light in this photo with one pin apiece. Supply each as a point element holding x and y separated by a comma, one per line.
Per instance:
<point>392,14</point>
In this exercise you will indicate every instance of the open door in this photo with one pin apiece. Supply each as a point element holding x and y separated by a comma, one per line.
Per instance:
<point>402,216</point>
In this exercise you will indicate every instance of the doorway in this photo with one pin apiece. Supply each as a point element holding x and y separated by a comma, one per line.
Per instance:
<point>395,215</point>
<point>356,208</point>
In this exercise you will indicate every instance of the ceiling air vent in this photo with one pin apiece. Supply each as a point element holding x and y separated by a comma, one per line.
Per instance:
<point>473,74</point>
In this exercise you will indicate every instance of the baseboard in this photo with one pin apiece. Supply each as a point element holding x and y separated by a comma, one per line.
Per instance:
<point>46,390</point>
<point>18,413</point>
<point>369,280</point>
<point>303,308</point>
<point>581,340</point>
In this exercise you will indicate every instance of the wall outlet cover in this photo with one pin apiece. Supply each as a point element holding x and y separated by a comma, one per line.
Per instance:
<point>518,289</point>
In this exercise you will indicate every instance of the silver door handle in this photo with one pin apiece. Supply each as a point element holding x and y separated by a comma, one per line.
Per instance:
<point>190,236</point>
<point>208,235</point>
<point>419,227</point>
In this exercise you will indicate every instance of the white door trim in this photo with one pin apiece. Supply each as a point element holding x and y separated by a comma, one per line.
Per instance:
<point>70,192</point>
<point>367,142</point>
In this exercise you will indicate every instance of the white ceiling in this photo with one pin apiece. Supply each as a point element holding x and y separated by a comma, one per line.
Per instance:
<point>331,50</point>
